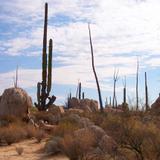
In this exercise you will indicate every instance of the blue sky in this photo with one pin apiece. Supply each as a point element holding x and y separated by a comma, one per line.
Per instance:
<point>121,31</point>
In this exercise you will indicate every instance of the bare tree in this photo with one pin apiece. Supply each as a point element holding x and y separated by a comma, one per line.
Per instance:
<point>110,101</point>
<point>137,77</point>
<point>106,102</point>
<point>115,79</point>
<point>16,78</point>
<point>94,71</point>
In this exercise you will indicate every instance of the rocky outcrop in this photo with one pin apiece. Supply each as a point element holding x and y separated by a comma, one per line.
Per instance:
<point>56,109</point>
<point>15,102</point>
<point>156,105</point>
<point>74,110</point>
<point>108,145</point>
<point>100,143</point>
<point>110,109</point>
<point>87,105</point>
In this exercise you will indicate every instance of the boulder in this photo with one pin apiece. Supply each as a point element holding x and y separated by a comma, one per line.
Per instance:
<point>94,154</point>
<point>15,102</point>
<point>110,109</point>
<point>53,146</point>
<point>85,122</point>
<point>88,105</point>
<point>156,105</point>
<point>74,103</point>
<point>47,127</point>
<point>108,145</point>
<point>76,111</point>
<point>97,131</point>
<point>56,109</point>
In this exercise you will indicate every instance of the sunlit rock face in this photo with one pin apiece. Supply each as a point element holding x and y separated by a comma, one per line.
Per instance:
<point>156,105</point>
<point>15,102</point>
<point>84,104</point>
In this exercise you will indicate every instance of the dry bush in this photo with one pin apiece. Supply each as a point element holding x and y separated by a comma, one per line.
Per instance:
<point>66,126</point>
<point>48,117</point>
<point>78,145</point>
<point>40,134</point>
<point>137,135</point>
<point>19,150</point>
<point>53,146</point>
<point>75,145</point>
<point>33,110</point>
<point>7,120</point>
<point>96,117</point>
<point>16,132</point>
<point>11,134</point>
<point>31,131</point>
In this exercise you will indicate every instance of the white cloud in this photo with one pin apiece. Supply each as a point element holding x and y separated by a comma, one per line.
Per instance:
<point>121,30</point>
<point>120,26</point>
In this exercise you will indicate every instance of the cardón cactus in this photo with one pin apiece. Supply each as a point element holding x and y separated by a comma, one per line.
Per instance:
<point>44,88</point>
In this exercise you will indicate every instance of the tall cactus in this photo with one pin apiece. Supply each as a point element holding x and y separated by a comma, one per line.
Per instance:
<point>44,88</point>
<point>82,95</point>
<point>124,104</point>
<point>124,91</point>
<point>146,92</point>
<point>79,94</point>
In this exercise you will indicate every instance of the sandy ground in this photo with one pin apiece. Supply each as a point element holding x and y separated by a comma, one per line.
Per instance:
<point>31,151</point>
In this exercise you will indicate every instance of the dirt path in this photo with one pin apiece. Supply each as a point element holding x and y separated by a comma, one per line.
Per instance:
<point>31,151</point>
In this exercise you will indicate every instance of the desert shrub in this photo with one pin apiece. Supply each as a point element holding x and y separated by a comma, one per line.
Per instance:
<point>30,131</point>
<point>40,134</point>
<point>6,120</point>
<point>16,132</point>
<point>33,110</point>
<point>76,147</point>
<point>11,134</point>
<point>53,146</point>
<point>19,150</point>
<point>67,125</point>
<point>96,117</point>
<point>136,134</point>
<point>48,117</point>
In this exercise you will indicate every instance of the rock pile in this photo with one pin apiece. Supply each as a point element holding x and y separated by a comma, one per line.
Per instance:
<point>87,105</point>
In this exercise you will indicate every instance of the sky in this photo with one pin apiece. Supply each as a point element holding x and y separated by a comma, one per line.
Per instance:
<point>122,30</point>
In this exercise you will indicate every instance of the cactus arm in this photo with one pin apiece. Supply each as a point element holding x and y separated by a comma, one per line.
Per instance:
<point>39,93</point>
<point>79,90</point>
<point>51,101</point>
<point>49,67</point>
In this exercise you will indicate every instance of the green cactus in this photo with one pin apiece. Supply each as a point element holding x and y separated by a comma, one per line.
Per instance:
<point>49,67</point>
<point>146,93</point>
<point>79,89</point>
<point>82,95</point>
<point>44,88</point>
<point>38,92</point>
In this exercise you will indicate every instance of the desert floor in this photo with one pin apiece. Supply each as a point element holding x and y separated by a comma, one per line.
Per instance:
<point>31,151</point>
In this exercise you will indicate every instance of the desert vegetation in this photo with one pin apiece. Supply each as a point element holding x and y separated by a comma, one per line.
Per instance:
<point>81,129</point>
